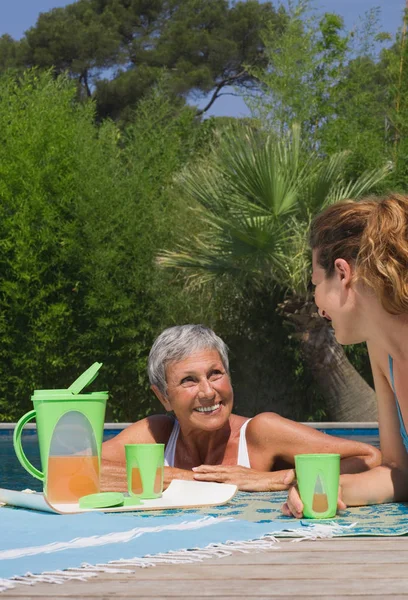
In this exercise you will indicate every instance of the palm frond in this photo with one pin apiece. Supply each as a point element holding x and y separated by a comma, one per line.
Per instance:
<point>254,197</point>
<point>322,178</point>
<point>250,246</point>
<point>363,185</point>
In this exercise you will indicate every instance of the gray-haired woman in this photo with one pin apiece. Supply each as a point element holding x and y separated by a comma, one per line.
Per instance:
<point>189,373</point>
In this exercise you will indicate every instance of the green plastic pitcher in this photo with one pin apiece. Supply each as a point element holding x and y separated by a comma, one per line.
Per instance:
<point>70,432</point>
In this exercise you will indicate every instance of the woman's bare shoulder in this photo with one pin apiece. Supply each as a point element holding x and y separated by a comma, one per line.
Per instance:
<point>265,419</point>
<point>380,367</point>
<point>265,426</point>
<point>269,427</point>
<point>379,360</point>
<point>154,429</point>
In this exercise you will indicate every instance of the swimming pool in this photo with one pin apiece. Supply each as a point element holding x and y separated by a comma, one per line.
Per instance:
<point>13,476</point>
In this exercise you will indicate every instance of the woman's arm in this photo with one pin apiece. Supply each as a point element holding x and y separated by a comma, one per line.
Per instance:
<point>151,430</point>
<point>113,463</point>
<point>247,480</point>
<point>272,439</point>
<point>387,482</point>
<point>155,429</point>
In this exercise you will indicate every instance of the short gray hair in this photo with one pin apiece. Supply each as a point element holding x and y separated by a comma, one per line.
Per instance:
<point>176,343</point>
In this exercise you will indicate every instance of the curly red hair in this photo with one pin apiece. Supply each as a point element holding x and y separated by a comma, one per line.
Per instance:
<point>371,233</point>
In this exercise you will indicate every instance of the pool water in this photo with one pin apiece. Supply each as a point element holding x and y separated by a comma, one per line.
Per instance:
<point>368,435</point>
<point>13,476</point>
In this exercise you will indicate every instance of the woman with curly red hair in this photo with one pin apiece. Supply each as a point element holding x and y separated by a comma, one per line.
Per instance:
<point>360,274</point>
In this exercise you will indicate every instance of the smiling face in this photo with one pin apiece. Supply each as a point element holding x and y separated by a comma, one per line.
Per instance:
<point>199,391</point>
<point>337,300</point>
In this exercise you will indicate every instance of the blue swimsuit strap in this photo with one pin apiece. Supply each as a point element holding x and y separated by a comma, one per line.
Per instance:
<point>403,430</point>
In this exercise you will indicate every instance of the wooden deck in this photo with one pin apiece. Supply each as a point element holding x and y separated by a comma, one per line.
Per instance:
<point>336,568</point>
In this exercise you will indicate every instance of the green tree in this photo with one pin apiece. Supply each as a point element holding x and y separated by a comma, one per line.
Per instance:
<point>10,53</point>
<point>359,121</point>
<point>330,81</point>
<point>40,137</point>
<point>132,213</point>
<point>75,39</point>
<point>394,67</point>
<point>82,211</point>
<point>301,67</point>
<point>255,197</point>
<point>116,49</point>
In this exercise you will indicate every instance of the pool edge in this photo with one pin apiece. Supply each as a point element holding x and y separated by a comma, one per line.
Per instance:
<point>315,425</point>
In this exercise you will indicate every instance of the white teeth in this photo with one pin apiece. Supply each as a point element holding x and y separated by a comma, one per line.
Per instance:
<point>207,408</point>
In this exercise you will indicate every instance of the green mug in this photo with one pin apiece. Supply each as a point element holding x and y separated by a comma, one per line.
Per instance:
<point>145,469</point>
<point>317,477</point>
<point>70,433</point>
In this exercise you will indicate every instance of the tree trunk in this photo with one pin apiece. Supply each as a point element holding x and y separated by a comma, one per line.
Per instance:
<point>348,396</point>
<point>83,79</point>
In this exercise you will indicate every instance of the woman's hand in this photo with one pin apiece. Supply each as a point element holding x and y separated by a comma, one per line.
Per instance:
<point>247,480</point>
<point>293,506</point>
<point>171,473</point>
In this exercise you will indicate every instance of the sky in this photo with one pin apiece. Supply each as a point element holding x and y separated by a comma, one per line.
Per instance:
<point>16,16</point>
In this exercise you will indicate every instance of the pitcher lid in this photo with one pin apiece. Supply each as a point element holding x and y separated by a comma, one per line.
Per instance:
<point>85,379</point>
<point>101,500</point>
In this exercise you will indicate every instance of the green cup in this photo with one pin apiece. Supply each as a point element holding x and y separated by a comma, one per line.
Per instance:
<point>318,483</point>
<point>145,468</point>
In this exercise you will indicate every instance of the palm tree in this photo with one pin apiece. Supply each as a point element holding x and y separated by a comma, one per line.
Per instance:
<point>255,196</point>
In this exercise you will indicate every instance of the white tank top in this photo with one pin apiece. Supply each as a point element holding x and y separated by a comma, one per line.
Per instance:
<point>170,450</point>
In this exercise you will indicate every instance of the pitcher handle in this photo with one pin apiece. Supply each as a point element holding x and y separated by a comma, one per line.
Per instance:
<point>19,448</point>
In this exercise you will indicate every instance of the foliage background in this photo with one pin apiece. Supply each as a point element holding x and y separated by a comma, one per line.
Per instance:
<point>88,164</point>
